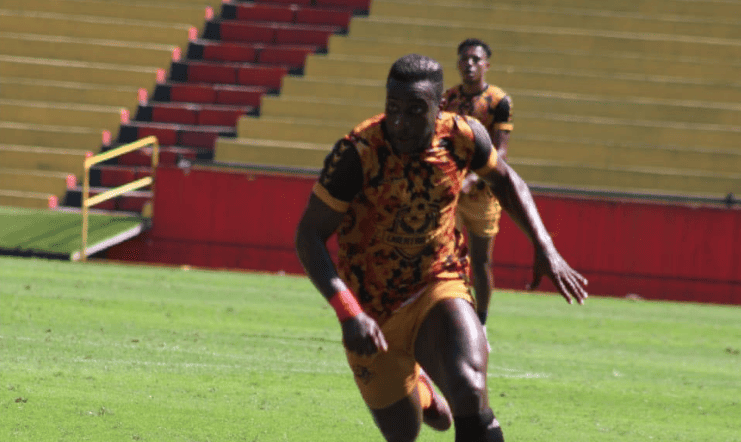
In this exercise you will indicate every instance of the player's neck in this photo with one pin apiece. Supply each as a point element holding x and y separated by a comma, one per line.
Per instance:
<point>474,88</point>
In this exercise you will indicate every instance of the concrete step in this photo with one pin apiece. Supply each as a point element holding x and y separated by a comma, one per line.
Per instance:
<point>530,57</point>
<point>693,8</point>
<point>555,16</point>
<point>61,114</point>
<point>77,71</point>
<point>616,86</point>
<point>30,200</point>
<point>85,26</point>
<point>551,37</point>
<point>55,183</point>
<point>85,49</point>
<point>52,91</point>
<point>43,159</point>
<point>34,135</point>
<point>677,111</point>
<point>182,11</point>
<point>545,172</point>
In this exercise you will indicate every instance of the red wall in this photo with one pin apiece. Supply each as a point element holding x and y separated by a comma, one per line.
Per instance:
<point>240,219</point>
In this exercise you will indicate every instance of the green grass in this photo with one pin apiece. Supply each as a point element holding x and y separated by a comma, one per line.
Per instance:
<point>105,352</point>
<point>57,232</point>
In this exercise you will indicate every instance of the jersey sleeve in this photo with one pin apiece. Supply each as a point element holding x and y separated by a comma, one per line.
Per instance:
<point>484,156</point>
<point>502,113</point>
<point>341,177</point>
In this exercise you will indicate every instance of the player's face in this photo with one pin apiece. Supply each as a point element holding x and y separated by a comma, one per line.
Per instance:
<point>473,64</point>
<point>411,111</point>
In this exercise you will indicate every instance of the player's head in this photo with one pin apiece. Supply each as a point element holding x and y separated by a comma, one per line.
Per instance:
<point>413,91</point>
<point>473,61</point>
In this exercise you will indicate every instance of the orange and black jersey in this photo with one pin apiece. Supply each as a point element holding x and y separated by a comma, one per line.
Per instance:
<point>398,233</point>
<point>492,106</point>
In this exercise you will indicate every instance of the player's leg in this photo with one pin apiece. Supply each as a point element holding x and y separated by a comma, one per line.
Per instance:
<point>401,421</point>
<point>451,347</point>
<point>480,250</point>
<point>398,396</point>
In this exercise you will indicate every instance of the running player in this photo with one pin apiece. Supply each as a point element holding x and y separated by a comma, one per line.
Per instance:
<point>478,209</point>
<point>389,189</point>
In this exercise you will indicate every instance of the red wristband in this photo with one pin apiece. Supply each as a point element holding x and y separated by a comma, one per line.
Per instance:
<point>345,305</point>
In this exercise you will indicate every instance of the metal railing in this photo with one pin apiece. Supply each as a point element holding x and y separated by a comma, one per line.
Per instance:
<point>88,201</point>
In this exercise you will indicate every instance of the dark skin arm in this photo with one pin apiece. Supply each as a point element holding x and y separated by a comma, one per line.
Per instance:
<point>500,139</point>
<point>360,334</point>
<point>481,247</point>
<point>515,197</point>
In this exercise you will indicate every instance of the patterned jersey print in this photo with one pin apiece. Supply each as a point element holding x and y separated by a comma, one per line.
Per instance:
<point>492,107</point>
<point>398,234</point>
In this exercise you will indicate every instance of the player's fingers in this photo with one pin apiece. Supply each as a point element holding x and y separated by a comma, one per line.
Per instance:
<point>381,342</point>
<point>537,277</point>
<point>561,286</point>
<point>576,290</point>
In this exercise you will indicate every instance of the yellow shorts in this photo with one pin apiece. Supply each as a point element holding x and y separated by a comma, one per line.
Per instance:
<point>479,211</point>
<point>386,378</point>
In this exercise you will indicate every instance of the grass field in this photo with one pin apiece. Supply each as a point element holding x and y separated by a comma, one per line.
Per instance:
<point>105,352</point>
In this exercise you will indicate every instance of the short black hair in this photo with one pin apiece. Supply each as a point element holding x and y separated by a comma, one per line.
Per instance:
<point>473,42</point>
<point>415,67</point>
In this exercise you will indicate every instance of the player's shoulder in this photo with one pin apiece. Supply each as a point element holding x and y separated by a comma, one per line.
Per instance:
<point>454,124</point>
<point>372,124</point>
<point>453,92</point>
<point>496,91</point>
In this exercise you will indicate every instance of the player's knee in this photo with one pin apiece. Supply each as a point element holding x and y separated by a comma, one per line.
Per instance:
<point>468,389</point>
<point>479,427</point>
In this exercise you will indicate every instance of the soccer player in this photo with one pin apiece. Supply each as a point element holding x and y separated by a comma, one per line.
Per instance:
<point>389,189</point>
<point>478,209</point>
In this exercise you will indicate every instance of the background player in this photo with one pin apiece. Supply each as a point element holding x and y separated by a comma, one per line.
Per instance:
<point>478,209</point>
<point>390,189</point>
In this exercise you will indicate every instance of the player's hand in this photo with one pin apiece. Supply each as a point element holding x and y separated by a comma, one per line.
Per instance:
<point>363,336</point>
<point>567,280</point>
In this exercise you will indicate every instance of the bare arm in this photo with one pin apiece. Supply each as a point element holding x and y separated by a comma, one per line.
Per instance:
<point>500,139</point>
<point>515,197</point>
<point>360,334</point>
<point>318,223</point>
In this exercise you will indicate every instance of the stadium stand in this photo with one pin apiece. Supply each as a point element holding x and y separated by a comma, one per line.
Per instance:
<point>67,70</point>
<point>630,96</point>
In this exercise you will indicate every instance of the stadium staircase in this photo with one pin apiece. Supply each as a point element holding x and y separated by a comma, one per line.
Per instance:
<point>631,96</point>
<point>74,72</point>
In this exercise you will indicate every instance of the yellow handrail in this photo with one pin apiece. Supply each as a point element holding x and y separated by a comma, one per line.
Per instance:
<point>88,202</point>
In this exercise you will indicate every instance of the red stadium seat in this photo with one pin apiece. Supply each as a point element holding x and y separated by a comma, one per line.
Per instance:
<point>112,176</point>
<point>315,16</point>
<point>199,137</point>
<point>174,113</point>
<point>262,76</point>
<point>193,93</point>
<point>233,30</point>
<point>287,2</point>
<point>224,51</point>
<point>211,73</point>
<point>357,5</point>
<point>266,12</point>
<point>304,34</point>
<point>239,95</point>
<point>166,134</point>
<point>221,115</point>
<point>293,56</point>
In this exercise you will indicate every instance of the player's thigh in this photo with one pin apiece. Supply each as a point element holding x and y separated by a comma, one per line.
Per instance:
<point>451,347</point>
